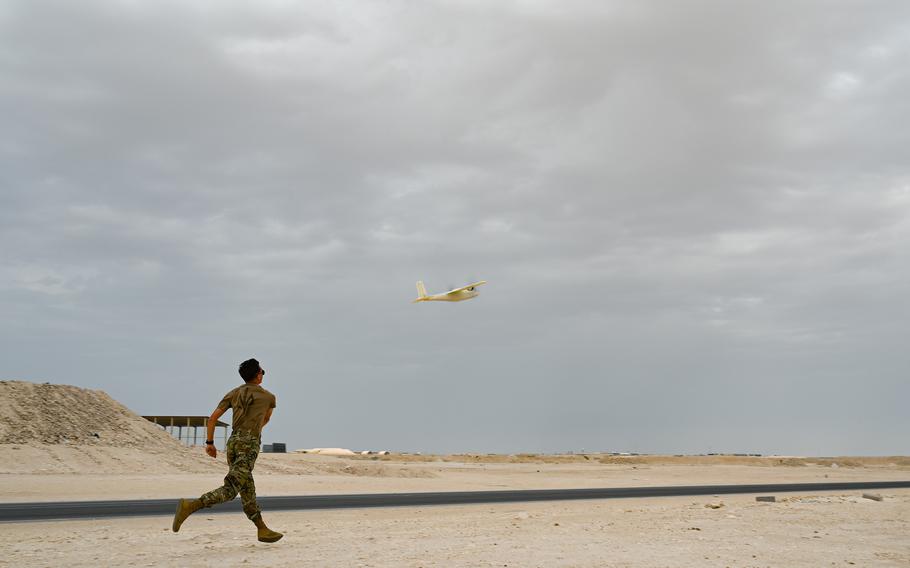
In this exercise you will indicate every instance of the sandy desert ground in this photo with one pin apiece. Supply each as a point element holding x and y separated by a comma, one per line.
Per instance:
<point>95,448</point>
<point>819,529</point>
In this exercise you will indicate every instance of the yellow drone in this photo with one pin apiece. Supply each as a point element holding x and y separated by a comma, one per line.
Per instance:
<point>456,295</point>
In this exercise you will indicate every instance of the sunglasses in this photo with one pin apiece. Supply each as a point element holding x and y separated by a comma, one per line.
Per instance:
<point>261,370</point>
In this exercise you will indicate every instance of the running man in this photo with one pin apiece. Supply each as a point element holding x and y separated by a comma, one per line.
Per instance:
<point>253,407</point>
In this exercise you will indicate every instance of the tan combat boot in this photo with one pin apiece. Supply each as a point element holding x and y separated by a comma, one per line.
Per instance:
<point>264,533</point>
<point>185,508</point>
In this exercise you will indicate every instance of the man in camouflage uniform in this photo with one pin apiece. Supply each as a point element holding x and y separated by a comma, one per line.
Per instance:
<point>252,407</point>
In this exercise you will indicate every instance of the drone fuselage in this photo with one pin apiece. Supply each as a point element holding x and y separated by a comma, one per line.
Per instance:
<point>459,296</point>
<point>456,295</point>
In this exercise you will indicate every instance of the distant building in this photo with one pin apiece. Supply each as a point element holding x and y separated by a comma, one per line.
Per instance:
<point>185,429</point>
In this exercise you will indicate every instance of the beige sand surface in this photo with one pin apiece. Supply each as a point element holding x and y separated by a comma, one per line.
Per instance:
<point>65,443</point>
<point>831,529</point>
<point>823,529</point>
<point>300,474</point>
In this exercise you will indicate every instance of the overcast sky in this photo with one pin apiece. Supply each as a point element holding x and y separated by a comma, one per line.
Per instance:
<point>694,218</point>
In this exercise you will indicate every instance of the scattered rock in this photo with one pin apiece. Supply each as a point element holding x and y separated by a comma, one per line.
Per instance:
<point>714,505</point>
<point>766,498</point>
<point>873,496</point>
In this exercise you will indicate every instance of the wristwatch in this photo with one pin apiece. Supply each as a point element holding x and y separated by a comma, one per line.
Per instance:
<point>210,442</point>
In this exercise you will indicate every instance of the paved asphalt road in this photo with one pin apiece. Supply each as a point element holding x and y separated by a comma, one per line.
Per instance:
<point>12,512</point>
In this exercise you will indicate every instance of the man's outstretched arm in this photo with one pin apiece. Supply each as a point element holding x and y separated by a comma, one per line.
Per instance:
<point>210,431</point>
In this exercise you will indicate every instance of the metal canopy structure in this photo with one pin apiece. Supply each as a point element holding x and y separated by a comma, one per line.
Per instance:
<point>174,426</point>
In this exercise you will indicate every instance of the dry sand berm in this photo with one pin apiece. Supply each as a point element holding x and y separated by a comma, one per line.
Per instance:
<point>47,437</point>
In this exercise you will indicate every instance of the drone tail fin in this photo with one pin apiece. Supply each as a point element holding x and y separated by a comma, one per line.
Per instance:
<point>421,291</point>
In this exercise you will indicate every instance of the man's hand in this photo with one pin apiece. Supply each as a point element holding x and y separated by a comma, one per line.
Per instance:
<point>210,450</point>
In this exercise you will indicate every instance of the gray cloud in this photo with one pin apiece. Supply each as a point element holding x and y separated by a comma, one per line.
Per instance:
<point>693,218</point>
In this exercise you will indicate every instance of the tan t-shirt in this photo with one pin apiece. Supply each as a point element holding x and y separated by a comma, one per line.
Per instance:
<point>250,403</point>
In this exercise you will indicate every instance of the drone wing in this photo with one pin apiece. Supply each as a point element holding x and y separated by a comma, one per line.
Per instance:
<point>468,287</point>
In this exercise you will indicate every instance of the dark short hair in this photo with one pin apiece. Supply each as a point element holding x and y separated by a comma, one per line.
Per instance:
<point>249,369</point>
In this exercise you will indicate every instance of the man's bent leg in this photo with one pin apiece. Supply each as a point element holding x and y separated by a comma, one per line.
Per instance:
<point>248,451</point>
<point>248,498</point>
<point>247,487</point>
<point>223,494</point>
<point>186,507</point>
<point>229,490</point>
<point>254,513</point>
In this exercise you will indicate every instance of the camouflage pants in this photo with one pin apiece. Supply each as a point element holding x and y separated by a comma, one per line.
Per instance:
<point>242,451</point>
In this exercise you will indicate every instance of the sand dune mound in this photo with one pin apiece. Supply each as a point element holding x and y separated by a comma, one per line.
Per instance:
<point>67,429</point>
<point>62,414</point>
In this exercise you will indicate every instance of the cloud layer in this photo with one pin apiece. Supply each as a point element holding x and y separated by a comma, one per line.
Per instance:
<point>694,218</point>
